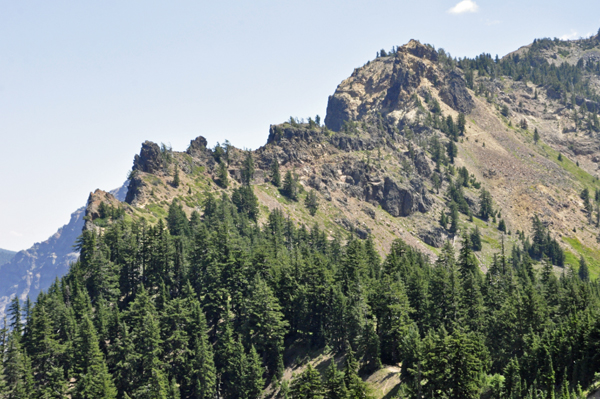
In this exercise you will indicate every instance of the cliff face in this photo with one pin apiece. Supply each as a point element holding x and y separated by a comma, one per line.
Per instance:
<point>36,268</point>
<point>387,85</point>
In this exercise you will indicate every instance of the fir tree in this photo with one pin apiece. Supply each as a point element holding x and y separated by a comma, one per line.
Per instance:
<point>312,202</point>
<point>275,174</point>
<point>583,272</point>
<point>248,169</point>
<point>307,385</point>
<point>176,180</point>
<point>222,175</point>
<point>476,239</point>
<point>335,387</point>
<point>290,186</point>
<point>93,379</point>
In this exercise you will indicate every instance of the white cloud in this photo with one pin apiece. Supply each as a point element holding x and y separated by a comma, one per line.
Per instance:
<point>570,36</point>
<point>463,7</point>
<point>14,233</point>
<point>491,23</point>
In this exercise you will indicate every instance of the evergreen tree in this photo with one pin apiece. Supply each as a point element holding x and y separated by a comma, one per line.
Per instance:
<point>222,175</point>
<point>307,385</point>
<point>312,202</point>
<point>502,225</point>
<point>248,169</point>
<point>461,123</point>
<point>176,180</point>
<point>357,389</point>
<point>254,381</point>
<point>17,368</point>
<point>536,136</point>
<point>335,387</point>
<point>275,174</point>
<point>177,220</point>
<point>485,204</point>
<point>93,379</point>
<point>476,239</point>
<point>583,272</point>
<point>290,186</point>
<point>452,150</point>
<point>453,218</point>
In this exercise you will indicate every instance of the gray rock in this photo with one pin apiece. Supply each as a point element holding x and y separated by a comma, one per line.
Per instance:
<point>150,159</point>
<point>436,237</point>
<point>455,94</point>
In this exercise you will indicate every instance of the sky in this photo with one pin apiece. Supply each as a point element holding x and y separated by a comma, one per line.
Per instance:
<point>84,83</point>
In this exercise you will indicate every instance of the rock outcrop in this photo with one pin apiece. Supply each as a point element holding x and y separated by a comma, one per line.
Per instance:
<point>387,85</point>
<point>150,159</point>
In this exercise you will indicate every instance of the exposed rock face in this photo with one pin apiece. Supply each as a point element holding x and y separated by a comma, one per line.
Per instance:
<point>386,86</point>
<point>135,188</point>
<point>436,237</point>
<point>455,93</point>
<point>36,268</point>
<point>198,145</point>
<point>150,159</point>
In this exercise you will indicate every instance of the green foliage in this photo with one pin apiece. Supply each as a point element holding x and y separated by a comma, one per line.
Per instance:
<point>176,180</point>
<point>247,169</point>
<point>485,204</point>
<point>222,175</point>
<point>312,202</point>
<point>246,202</point>
<point>307,385</point>
<point>543,245</point>
<point>290,186</point>
<point>536,136</point>
<point>476,239</point>
<point>502,225</point>
<point>210,307</point>
<point>275,174</point>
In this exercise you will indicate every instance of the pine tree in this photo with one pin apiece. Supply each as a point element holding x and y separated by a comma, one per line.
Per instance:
<point>476,239</point>
<point>461,123</point>
<point>502,225</point>
<point>452,150</point>
<point>453,218</point>
<point>223,175</point>
<point>485,204</point>
<point>93,378</point>
<point>254,381</point>
<point>248,169</point>
<point>202,376</point>
<point>536,136</point>
<point>583,272</point>
<point>17,369</point>
<point>275,174</point>
<point>335,387</point>
<point>176,180</point>
<point>307,385</point>
<point>290,186</point>
<point>312,202</point>
<point>357,389</point>
<point>14,313</point>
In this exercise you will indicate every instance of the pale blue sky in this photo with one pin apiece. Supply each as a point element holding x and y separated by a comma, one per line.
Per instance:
<point>83,84</point>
